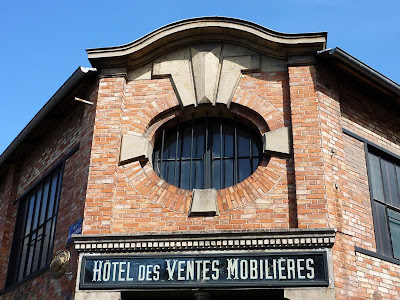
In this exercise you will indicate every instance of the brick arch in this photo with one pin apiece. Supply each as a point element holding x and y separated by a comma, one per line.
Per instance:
<point>141,110</point>
<point>271,115</point>
<point>159,192</point>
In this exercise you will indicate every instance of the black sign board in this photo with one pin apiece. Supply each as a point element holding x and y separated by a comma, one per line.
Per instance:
<point>218,270</point>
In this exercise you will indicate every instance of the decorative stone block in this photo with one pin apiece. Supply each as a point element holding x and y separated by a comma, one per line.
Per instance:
<point>204,203</point>
<point>278,141</point>
<point>134,148</point>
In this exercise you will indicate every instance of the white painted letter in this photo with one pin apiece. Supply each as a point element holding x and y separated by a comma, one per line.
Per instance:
<point>156,272</point>
<point>142,273</point>
<point>206,269</point>
<point>232,268</point>
<point>114,269</point>
<point>128,270</point>
<point>300,268</point>
<point>106,270</point>
<point>171,269</point>
<point>281,269</point>
<point>311,274</point>
<point>148,272</point>
<point>253,269</point>
<point>215,269</point>
<point>244,269</point>
<point>97,270</point>
<point>291,269</point>
<point>267,270</point>
<point>190,270</point>
<point>180,270</point>
<point>121,270</point>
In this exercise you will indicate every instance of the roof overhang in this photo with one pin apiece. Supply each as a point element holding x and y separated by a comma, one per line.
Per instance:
<point>219,29</point>
<point>360,70</point>
<point>80,74</point>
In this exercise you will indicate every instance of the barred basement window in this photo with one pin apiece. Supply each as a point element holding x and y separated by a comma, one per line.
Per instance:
<point>208,152</point>
<point>34,233</point>
<point>384,178</point>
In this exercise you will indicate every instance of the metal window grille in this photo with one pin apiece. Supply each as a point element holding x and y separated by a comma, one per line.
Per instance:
<point>34,233</point>
<point>208,152</point>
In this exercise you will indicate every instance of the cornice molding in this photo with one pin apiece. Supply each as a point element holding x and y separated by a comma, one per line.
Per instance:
<point>191,31</point>
<point>254,240</point>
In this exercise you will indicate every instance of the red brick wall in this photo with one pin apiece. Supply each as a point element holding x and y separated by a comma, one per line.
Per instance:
<point>377,279</point>
<point>357,219</point>
<point>369,118</point>
<point>330,170</point>
<point>75,129</point>
<point>7,217</point>
<point>358,276</point>
<point>311,189</point>
<point>132,198</point>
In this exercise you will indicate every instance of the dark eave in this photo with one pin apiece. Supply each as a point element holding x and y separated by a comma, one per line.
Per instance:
<point>363,72</point>
<point>218,29</point>
<point>47,112</point>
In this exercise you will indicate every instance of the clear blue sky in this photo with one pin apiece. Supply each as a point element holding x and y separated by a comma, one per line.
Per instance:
<point>43,42</point>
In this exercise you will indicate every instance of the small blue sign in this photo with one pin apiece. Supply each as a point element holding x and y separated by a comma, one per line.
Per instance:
<point>75,228</point>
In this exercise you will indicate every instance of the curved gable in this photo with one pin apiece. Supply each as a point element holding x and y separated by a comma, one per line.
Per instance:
<point>210,29</point>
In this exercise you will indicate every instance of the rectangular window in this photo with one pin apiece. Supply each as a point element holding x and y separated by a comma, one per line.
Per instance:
<point>34,231</point>
<point>384,178</point>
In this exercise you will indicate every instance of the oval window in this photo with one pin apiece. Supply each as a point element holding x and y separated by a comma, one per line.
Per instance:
<point>209,152</point>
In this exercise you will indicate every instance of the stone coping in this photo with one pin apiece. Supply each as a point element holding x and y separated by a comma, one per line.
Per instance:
<point>197,30</point>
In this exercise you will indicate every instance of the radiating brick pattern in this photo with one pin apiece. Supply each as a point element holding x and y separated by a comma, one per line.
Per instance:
<point>137,200</point>
<point>146,182</point>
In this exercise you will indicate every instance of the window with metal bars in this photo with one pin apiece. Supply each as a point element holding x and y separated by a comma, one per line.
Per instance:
<point>208,152</point>
<point>34,232</point>
<point>384,179</point>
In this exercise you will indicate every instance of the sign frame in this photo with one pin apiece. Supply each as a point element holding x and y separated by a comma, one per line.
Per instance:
<point>324,282</point>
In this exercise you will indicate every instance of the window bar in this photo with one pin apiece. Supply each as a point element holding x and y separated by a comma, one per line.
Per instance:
<point>45,217</point>
<point>251,149</point>
<point>182,137</point>
<point>221,153</point>
<point>61,174</point>
<point>389,231</point>
<point>176,153</point>
<point>33,246</point>
<point>38,225</point>
<point>397,173</point>
<point>19,258</point>
<point>28,250</point>
<point>381,178</point>
<point>191,153</point>
<point>162,154</point>
<point>235,163</point>
<point>55,212</point>
<point>397,209</point>
<point>386,243</point>
<point>206,160</point>
<point>386,191</point>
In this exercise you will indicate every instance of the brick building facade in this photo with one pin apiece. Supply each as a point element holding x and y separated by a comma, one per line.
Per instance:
<point>211,158</point>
